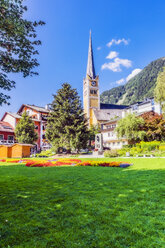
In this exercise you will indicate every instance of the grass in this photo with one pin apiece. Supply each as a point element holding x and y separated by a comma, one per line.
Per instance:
<point>72,207</point>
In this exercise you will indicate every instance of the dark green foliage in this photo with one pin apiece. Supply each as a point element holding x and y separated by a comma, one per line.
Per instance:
<point>113,95</point>
<point>83,207</point>
<point>17,44</point>
<point>25,130</point>
<point>67,126</point>
<point>138,88</point>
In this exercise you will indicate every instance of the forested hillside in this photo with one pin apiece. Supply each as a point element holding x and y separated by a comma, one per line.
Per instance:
<point>136,89</point>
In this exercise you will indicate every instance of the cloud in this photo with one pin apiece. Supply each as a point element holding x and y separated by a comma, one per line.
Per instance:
<point>112,55</point>
<point>133,74</point>
<point>98,48</point>
<point>115,66</point>
<point>121,81</point>
<point>117,42</point>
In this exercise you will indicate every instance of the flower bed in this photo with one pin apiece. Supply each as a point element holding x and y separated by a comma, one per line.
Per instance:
<point>64,161</point>
<point>104,164</point>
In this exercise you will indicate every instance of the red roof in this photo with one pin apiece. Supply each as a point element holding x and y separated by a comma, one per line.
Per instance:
<point>6,127</point>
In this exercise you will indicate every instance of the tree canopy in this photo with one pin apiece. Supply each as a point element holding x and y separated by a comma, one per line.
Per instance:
<point>18,41</point>
<point>154,126</point>
<point>159,92</point>
<point>67,126</point>
<point>25,130</point>
<point>130,128</point>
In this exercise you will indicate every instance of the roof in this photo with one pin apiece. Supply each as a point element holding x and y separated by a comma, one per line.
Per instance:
<point>6,127</point>
<point>37,108</point>
<point>104,114</point>
<point>148,100</point>
<point>15,115</point>
<point>111,121</point>
<point>90,65</point>
<point>112,106</point>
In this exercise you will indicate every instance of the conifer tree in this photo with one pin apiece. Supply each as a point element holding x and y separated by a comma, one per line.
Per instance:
<point>67,126</point>
<point>25,130</point>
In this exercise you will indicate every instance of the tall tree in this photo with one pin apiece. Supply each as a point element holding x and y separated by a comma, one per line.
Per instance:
<point>159,92</point>
<point>130,127</point>
<point>17,44</point>
<point>154,126</point>
<point>67,126</point>
<point>25,130</point>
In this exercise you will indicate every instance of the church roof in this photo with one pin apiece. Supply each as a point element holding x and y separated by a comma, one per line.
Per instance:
<point>90,65</point>
<point>106,114</point>
<point>112,106</point>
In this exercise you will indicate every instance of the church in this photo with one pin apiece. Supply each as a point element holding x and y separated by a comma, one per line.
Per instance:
<point>95,111</point>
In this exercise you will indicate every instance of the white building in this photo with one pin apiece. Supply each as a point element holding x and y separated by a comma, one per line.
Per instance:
<point>110,139</point>
<point>142,107</point>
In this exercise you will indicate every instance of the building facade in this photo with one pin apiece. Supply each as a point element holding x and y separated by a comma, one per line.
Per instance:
<point>110,139</point>
<point>6,133</point>
<point>39,116</point>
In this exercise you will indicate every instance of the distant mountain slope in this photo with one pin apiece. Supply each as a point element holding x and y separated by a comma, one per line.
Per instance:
<point>136,89</point>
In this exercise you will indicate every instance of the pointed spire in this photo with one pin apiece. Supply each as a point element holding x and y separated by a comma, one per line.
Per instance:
<point>90,65</point>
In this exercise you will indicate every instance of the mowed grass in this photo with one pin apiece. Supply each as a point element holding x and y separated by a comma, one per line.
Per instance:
<point>83,206</point>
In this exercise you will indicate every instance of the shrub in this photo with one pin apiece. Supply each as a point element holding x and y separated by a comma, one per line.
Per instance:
<point>162,148</point>
<point>149,146</point>
<point>111,153</point>
<point>46,154</point>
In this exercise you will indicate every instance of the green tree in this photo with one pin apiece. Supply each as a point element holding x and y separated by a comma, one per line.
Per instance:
<point>159,92</point>
<point>67,126</point>
<point>25,130</point>
<point>130,127</point>
<point>17,44</point>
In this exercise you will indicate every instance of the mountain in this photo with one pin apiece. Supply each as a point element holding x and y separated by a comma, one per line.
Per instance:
<point>136,89</point>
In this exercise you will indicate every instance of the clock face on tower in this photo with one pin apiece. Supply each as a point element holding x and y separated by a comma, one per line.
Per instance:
<point>93,83</point>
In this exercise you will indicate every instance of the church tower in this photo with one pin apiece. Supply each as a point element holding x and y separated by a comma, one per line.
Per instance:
<point>91,95</point>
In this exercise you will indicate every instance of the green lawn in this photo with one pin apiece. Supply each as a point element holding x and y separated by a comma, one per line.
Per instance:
<point>83,207</point>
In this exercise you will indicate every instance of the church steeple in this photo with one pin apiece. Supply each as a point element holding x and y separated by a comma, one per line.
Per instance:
<point>90,64</point>
<point>91,95</point>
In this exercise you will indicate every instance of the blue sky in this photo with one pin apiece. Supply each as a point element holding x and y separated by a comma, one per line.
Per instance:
<point>136,30</point>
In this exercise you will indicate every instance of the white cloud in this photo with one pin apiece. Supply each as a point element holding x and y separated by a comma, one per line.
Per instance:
<point>112,55</point>
<point>117,42</point>
<point>121,81</point>
<point>133,74</point>
<point>116,65</point>
<point>98,48</point>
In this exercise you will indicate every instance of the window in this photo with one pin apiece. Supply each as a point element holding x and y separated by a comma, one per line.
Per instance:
<point>93,92</point>
<point>135,107</point>
<point>1,136</point>
<point>152,102</point>
<point>36,127</point>
<point>10,137</point>
<point>43,136</point>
